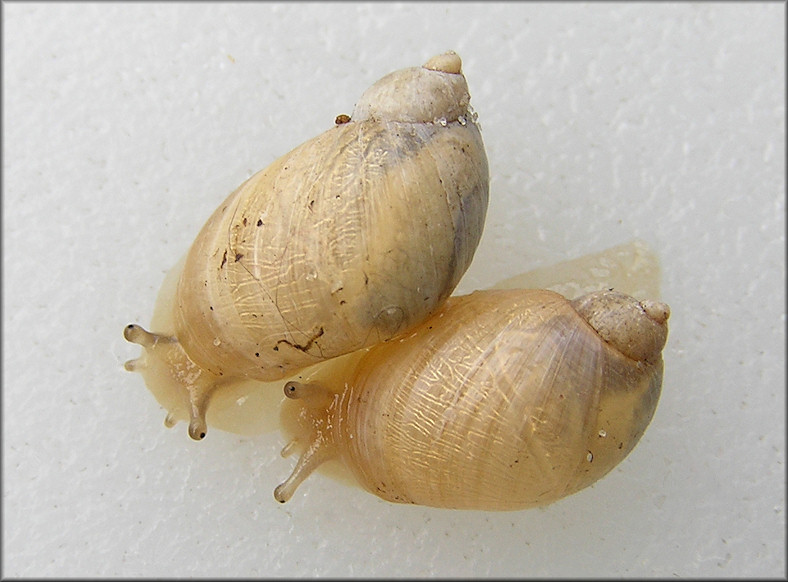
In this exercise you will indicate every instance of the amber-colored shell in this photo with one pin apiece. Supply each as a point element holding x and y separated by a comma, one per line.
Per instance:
<point>502,400</point>
<point>351,238</point>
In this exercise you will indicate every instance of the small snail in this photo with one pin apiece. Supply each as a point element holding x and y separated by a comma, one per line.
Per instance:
<point>502,400</point>
<point>350,239</point>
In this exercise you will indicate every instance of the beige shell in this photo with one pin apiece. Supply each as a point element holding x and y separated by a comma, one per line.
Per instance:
<point>351,238</point>
<point>502,400</point>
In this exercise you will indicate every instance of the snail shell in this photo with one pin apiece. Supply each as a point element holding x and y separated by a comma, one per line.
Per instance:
<point>351,238</point>
<point>502,400</point>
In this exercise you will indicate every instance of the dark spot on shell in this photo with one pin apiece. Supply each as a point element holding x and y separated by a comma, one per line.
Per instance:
<point>341,119</point>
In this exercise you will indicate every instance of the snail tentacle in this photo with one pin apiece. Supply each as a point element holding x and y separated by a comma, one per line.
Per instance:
<point>318,403</point>
<point>310,395</point>
<point>320,450</point>
<point>164,356</point>
<point>289,448</point>
<point>170,420</point>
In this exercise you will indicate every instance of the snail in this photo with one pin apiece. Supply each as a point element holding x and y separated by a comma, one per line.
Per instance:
<point>501,400</point>
<point>353,237</point>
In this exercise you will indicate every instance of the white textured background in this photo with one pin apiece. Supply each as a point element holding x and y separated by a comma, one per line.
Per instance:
<point>124,125</point>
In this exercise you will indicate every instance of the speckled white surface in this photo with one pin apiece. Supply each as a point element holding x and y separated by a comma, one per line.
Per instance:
<point>126,124</point>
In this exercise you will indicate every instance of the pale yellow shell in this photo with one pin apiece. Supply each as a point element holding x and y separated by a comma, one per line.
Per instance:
<point>502,400</point>
<point>351,238</point>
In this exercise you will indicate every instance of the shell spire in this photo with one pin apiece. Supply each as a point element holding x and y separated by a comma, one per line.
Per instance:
<point>436,91</point>
<point>637,329</point>
<point>448,62</point>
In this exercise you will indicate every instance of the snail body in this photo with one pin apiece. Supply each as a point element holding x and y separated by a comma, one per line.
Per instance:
<point>350,239</point>
<point>502,400</point>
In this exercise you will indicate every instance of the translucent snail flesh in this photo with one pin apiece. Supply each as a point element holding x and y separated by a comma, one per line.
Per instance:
<point>351,238</point>
<point>502,400</point>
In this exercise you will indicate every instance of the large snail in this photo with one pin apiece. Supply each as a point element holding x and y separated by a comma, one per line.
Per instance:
<point>502,400</point>
<point>350,239</point>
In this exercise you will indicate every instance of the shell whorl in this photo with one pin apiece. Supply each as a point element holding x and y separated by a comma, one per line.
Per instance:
<point>637,329</point>
<point>436,91</point>
<point>497,402</point>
